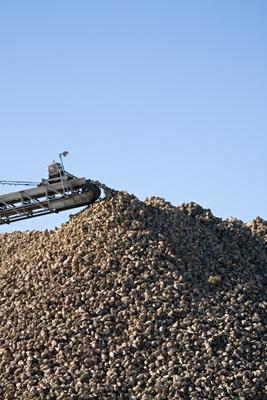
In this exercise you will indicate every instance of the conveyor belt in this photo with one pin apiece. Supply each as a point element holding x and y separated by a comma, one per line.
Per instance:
<point>46,199</point>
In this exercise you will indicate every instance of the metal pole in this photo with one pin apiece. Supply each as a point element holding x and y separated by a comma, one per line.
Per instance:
<point>61,160</point>
<point>61,172</point>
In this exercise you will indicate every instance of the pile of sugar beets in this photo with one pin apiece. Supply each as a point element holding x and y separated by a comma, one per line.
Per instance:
<point>135,300</point>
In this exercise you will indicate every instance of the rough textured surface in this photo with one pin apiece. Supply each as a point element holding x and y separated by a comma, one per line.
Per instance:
<point>134,300</point>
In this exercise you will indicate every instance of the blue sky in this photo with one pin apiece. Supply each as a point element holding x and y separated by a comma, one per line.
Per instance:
<point>164,98</point>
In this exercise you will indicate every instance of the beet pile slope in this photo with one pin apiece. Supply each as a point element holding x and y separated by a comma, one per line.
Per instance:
<point>134,300</point>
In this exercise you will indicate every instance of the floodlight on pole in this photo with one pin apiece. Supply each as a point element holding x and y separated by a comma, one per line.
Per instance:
<point>64,154</point>
<point>62,171</point>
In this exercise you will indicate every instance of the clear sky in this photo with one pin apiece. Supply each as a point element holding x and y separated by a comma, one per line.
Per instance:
<point>164,98</point>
